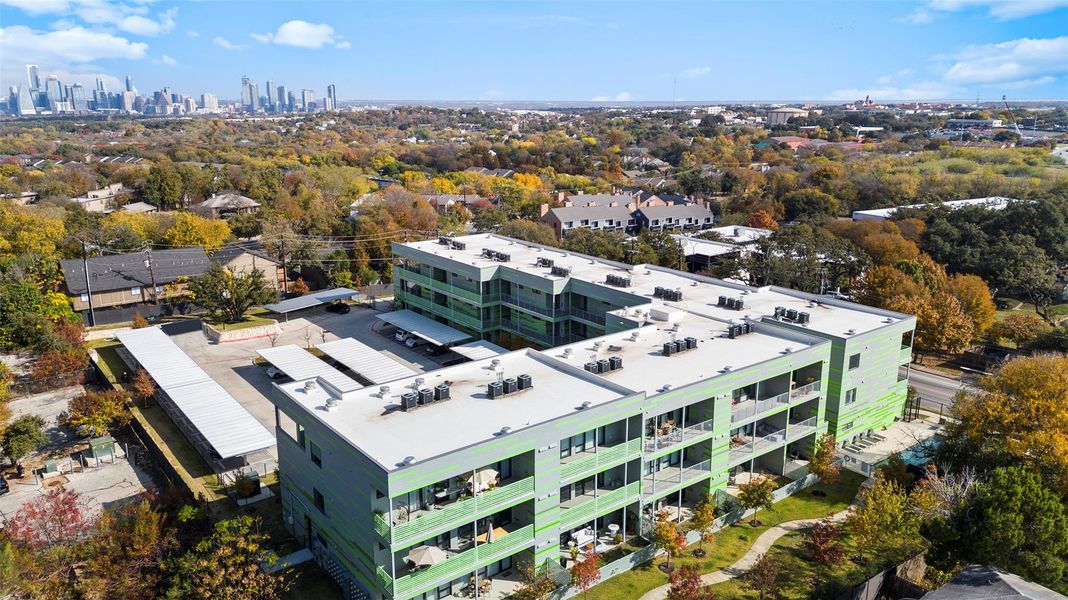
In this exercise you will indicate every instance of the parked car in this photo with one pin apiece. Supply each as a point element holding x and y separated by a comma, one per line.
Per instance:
<point>402,335</point>
<point>338,307</point>
<point>4,487</point>
<point>275,373</point>
<point>415,342</point>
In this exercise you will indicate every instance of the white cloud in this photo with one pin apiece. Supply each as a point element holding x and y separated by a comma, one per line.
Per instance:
<point>620,97</point>
<point>896,75</point>
<point>192,33</point>
<point>343,45</point>
<point>1009,62</point>
<point>696,72</point>
<point>225,43</point>
<point>38,7</point>
<point>79,45</point>
<point>167,60</point>
<point>920,16</point>
<point>138,25</point>
<point>1001,9</point>
<point>133,19</point>
<point>303,34</point>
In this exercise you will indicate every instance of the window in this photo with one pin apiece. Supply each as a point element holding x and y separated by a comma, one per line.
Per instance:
<point>847,426</point>
<point>84,297</point>
<point>135,291</point>
<point>320,502</point>
<point>854,361</point>
<point>316,455</point>
<point>301,438</point>
<point>851,396</point>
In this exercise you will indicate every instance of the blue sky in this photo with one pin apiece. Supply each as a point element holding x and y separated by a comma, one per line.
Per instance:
<point>505,50</point>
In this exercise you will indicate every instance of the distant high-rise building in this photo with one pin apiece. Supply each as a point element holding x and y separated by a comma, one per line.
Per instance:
<point>269,105</point>
<point>190,105</point>
<point>24,102</point>
<point>77,97</point>
<point>209,102</point>
<point>127,101</point>
<point>283,100</point>
<point>53,91</point>
<point>33,78</point>
<point>294,101</point>
<point>130,85</point>
<point>246,92</point>
<point>307,99</point>
<point>331,97</point>
<point>100,84</point>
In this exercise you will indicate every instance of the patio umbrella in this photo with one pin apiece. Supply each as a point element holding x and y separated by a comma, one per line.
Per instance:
<point>482,478</point>
<point>489,532</point>
<point>425,556</point>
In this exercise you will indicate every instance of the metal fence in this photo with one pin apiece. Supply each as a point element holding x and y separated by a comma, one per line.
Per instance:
<point>29,386</point>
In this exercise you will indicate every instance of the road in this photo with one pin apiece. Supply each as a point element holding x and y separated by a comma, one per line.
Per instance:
<point>935,390</point>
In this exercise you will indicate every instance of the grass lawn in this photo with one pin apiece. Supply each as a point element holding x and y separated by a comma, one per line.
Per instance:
<point>732,542</point>
<point>110,362</point>
<point>249,321</point>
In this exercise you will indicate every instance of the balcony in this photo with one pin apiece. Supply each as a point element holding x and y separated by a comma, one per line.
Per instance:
<point>587,463</point>
<point>457,564</point>
<point>455,514</point>
<point>437,286</point>
<point>670,478</point>
<point>589,317</point>
<point>456,316</point>
<point>679,436</point>
<point>806,391</point>
<point>528,306</point>
<point>527,332</point>
<point>795,431</point>
<point>745,448</point>
<point>906,355</point>
<point>581,509</point>
<point>751,408</point>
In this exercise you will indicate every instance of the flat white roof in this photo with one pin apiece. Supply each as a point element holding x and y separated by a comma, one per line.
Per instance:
<point>226,425</point>
<point>302,365</point>
<point>478,350</point>
<point>310,300</point>
<point>700,294</point>
<point>695,246</point>
<point>424,327</point>
<point>364,360</point>
<point>374,423</point>
<point>992,202</point>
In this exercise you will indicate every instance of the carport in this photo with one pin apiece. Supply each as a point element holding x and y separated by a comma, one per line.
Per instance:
<point>430,330</point>
<point>302,365</point>
<point>320,298</point>
<point>365,361</point>
<point>478,350</point>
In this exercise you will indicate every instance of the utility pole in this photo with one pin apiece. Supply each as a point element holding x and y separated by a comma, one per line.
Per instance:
<point>88,288</point>
<point>151,274</point>
<point>285,272</point>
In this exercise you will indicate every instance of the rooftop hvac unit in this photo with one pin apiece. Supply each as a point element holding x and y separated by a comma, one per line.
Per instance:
<point>722,301</point>
<point>615,362</point>
<point>560,271</point>
<point>791,314</point>
<point>617,281</point>
<point>525,382</point>
<point>739,305</point>
<point>802,317</point>
<point>502,257</point>
<point>495,390</point>
<point>590,366</point>
<point>486,252</point>
<point>441,392</point>
<point>691,343</point>
<point>459,246</point>
<point>409,400</point>
<point>604,366</point>
<point>426,396</point>
<point>747,328</point>
<point>731,303</point>
<point>545,262</point>
<point>510,385</point>
<point>779,312</point>
<point>680,345</point>
<point>444,241</point>
<point>669,349</point>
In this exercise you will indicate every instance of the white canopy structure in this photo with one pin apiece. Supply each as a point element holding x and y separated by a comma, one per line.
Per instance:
<point>364,360</point>
<point>478,350</point>
<point>193,398</point>
<point>302,365</point>
<point>424,327</point>
<point>309,300</point>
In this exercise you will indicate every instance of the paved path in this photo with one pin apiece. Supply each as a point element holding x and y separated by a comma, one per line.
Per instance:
<point>746,562</point>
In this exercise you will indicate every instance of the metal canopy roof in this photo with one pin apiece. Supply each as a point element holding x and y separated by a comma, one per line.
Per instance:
<point>301,365</point>
<point>365,360</point>
<point>310,300</point>
<point>424,327</point>
<point>479,349</point>
<point>226,425</point>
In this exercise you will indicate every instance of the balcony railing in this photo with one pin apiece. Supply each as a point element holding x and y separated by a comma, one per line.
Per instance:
<point>805,390</point>
<point>800,429</point>
<point>438,286</point>
<point>597,506</point>
<point>745,410</point>
<point>455,514</point>
<point>600,459</point>
<point>540,309</point>
<point>756,446</point>
<point>587,316</point>
<point>457,564</point>
<point>673,477</point>
<point>463,318</point>
<point>678,436</point>
<point>527,332</point>
<point>906,354</point>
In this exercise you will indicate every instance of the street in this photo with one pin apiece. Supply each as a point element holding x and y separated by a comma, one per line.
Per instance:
<point>936,391</point>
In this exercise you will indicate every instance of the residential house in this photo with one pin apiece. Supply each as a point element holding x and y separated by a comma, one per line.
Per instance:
<point>226,205</point>
<point>611,217</point>
<point>244,261</point>
<point>444,202</point>
<point>101,200</point>
<point>490,172</point>
<point>675,217</point>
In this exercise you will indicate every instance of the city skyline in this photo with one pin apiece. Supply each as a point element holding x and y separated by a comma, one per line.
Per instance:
<point>932,50</point>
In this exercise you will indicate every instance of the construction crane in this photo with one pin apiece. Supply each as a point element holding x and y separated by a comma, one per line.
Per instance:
<point>1011,116</point>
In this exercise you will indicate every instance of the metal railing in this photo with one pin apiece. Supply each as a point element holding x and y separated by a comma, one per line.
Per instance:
<point>455,514</point>
<point>600,459</point>
<point>805,390</point>
<point>800,429</point>
<point>678,436</point>
<point>587,316</point>
<point>526,332</point>
<point>906,354</point>
<point>598,505</point>
<point>759,407</point>
<point>438,286</point>
<point>472,321</point>
<point>757,445</point>
<point>529,306</point>
<point>653,484</point>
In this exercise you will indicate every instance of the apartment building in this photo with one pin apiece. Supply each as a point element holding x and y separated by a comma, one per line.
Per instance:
<point>653,389</point>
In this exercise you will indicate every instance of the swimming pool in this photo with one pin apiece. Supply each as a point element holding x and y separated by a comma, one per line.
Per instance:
<point>920,454</point>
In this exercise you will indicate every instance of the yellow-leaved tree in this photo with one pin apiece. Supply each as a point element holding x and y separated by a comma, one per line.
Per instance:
<point>192,230</point>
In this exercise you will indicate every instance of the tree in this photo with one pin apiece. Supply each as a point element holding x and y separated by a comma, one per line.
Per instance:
<point>163,186</point>
<point>535,583</point>
<point>128,550</point>
<point>299,287</point>
<point>1016,416</point>
<point>822,463</point>
<point>884,523</point>
<point>225,565</point>
<point>686,585</point>
<point>765,577</point>
<point>757,494</point>
<point>941,325</point>
<point>897,470</point>
<point>975,300</point>
<point>530,231</point>
<point>22,436</point>
<point>488,218</point>
<point>704,518</point>
<point>139,322</point>
<point>245,225</point>
<point>53,518</point>
<point>883,283</point>
<point>823,544</point>
<point>98,412</point>
<point>585,572</point>
<point>189,229</point>
<point>1020,328</point>
<point>143,385</point>
<point>809,205</point>
<point>666,536</point>
<point>761,220</point>
<point>224,293</point>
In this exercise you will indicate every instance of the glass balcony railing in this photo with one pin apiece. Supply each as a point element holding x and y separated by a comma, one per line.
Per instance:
<point>456,565</point>
<point>540,309</point>
<point>906,354</point>
<point>806,391</point>
<point>795,431</point>
<point>598,505</point>
<point>527,332</point>
<point>670,478</point>
<point>588,463</point>
<point>678,436</point>
<point>455,514</point>
<point>753,447</point>
<point>598,319</point>
<point>751,408</point>
<point>438,286</point>
<point>463,318</point>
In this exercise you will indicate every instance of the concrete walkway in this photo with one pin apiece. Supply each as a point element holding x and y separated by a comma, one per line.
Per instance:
<point>746,562</point>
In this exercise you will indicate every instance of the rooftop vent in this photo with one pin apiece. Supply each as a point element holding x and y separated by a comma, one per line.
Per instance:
<point>309,385</point>
<point>445,241</point>
<point>634,336</point>
<point>545,262</point>
<point>617,281</point>
<point>851,332</point>
<point>505,430</point>
<point>459,246</point>
<point>383,391</point>
<point>331,404</point>
<point>408,460</point>
<point>586,404</point>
